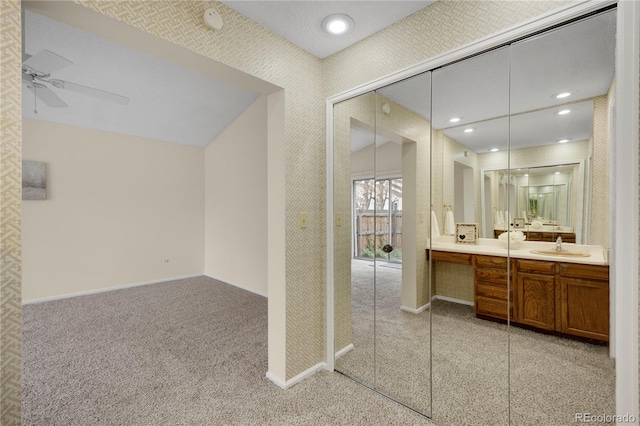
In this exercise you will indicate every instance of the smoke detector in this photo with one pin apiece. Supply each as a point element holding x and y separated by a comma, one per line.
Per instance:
<point>213,19</point>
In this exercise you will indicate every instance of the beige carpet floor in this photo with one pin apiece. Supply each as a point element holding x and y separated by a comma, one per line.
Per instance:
<point>189,352</point>
<point>194,352</point>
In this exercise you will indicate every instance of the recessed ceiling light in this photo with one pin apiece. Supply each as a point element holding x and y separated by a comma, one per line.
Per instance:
<point>564,111</point>
<point>563,140</point>
<point>494,149</point>
<point>557,173</point>
<point>562,95</point>
<point>526,174</point>
<point>454,119</point>
<point>337,24</point>
<point>469,130</point>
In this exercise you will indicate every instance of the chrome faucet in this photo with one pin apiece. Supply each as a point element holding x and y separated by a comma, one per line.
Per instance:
<point>559,244</point>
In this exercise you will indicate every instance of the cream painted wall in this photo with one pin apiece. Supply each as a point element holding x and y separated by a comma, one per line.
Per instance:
<point>117,208</point>
<point>236,202</point>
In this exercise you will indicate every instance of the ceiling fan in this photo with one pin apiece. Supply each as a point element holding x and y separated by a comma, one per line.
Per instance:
<point>36,74</point>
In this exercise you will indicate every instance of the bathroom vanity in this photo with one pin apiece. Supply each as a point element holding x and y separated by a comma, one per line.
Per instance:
<point>564,294</point>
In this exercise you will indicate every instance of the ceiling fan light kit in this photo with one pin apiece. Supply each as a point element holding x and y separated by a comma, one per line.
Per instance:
<point>36,73</point>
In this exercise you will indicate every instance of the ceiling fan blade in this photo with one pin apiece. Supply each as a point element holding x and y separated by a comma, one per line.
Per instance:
<point>47,96</point>
<point>91,91</point>
<point>46,62</point>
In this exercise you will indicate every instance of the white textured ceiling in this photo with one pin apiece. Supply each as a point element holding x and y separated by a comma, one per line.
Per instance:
<point>299,21</point>
<point>167,102</point>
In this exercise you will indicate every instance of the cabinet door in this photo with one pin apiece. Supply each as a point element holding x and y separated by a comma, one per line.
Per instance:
<point>585,308</point>
<point>536,300</point>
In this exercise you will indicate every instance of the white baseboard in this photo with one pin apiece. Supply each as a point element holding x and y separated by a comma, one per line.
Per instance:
<point>259,293</point>
<point>287,384</point>
<point>103,290</point>
<point>452,299</point>
<point>344,350</point>
<point>425,307</point>
<point>416,311</point>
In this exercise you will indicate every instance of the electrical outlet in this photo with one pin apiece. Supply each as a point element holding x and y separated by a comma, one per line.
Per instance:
<point>338,218</point>
<point>304,220</point>
<point>421,217</point>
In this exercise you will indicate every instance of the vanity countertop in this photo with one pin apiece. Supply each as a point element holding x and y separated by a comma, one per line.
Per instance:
<point>494,247</point>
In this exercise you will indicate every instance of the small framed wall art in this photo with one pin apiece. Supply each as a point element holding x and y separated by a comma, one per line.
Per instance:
<point>467,233</point>
<point>34,180</point>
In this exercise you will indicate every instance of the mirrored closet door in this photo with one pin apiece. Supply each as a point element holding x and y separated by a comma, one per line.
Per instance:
<point>562,89</point>
<point>470,307</point>
<point>472,233</point>
<point>382,203</point>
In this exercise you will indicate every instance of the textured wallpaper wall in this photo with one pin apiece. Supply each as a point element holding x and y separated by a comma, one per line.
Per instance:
<point>439,28</point>
<point>599,233</point>
<point>361,108</point>
<point>366,109</point>
<point>10,216</point>
<point>245,45</point>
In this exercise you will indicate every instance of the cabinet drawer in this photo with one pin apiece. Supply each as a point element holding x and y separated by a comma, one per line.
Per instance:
<point>536,267</point>
<point>495,276</point>
<point>597,272</point>
<point>450,257</point>
<point>492,308</point>
<point>491,262</point>
<point>498,292</point>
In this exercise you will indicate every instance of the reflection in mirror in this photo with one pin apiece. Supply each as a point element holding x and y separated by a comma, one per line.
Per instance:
<point>403,368</point>
<point>518,138</point>
<point>549,199</point>
<point>381,181</point>
<point>575,132</point>
<point>354,151</point>
<point>561,191</point>
<point>470,354</point>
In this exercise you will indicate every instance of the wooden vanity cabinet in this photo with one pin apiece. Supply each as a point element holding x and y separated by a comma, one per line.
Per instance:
<point>559,297</point>
<point>536,294</point>
<point>584,300</point>
<point>567,298</point>
<point>491,286</point>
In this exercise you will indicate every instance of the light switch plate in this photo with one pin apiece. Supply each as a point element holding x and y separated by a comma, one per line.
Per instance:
<point>338,218</point>
<point>304,220</point>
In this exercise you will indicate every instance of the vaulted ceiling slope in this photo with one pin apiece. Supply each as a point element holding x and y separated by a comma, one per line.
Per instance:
<point>167,102</point>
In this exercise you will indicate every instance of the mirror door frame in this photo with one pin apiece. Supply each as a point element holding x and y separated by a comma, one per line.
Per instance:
<point>623,208</point>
